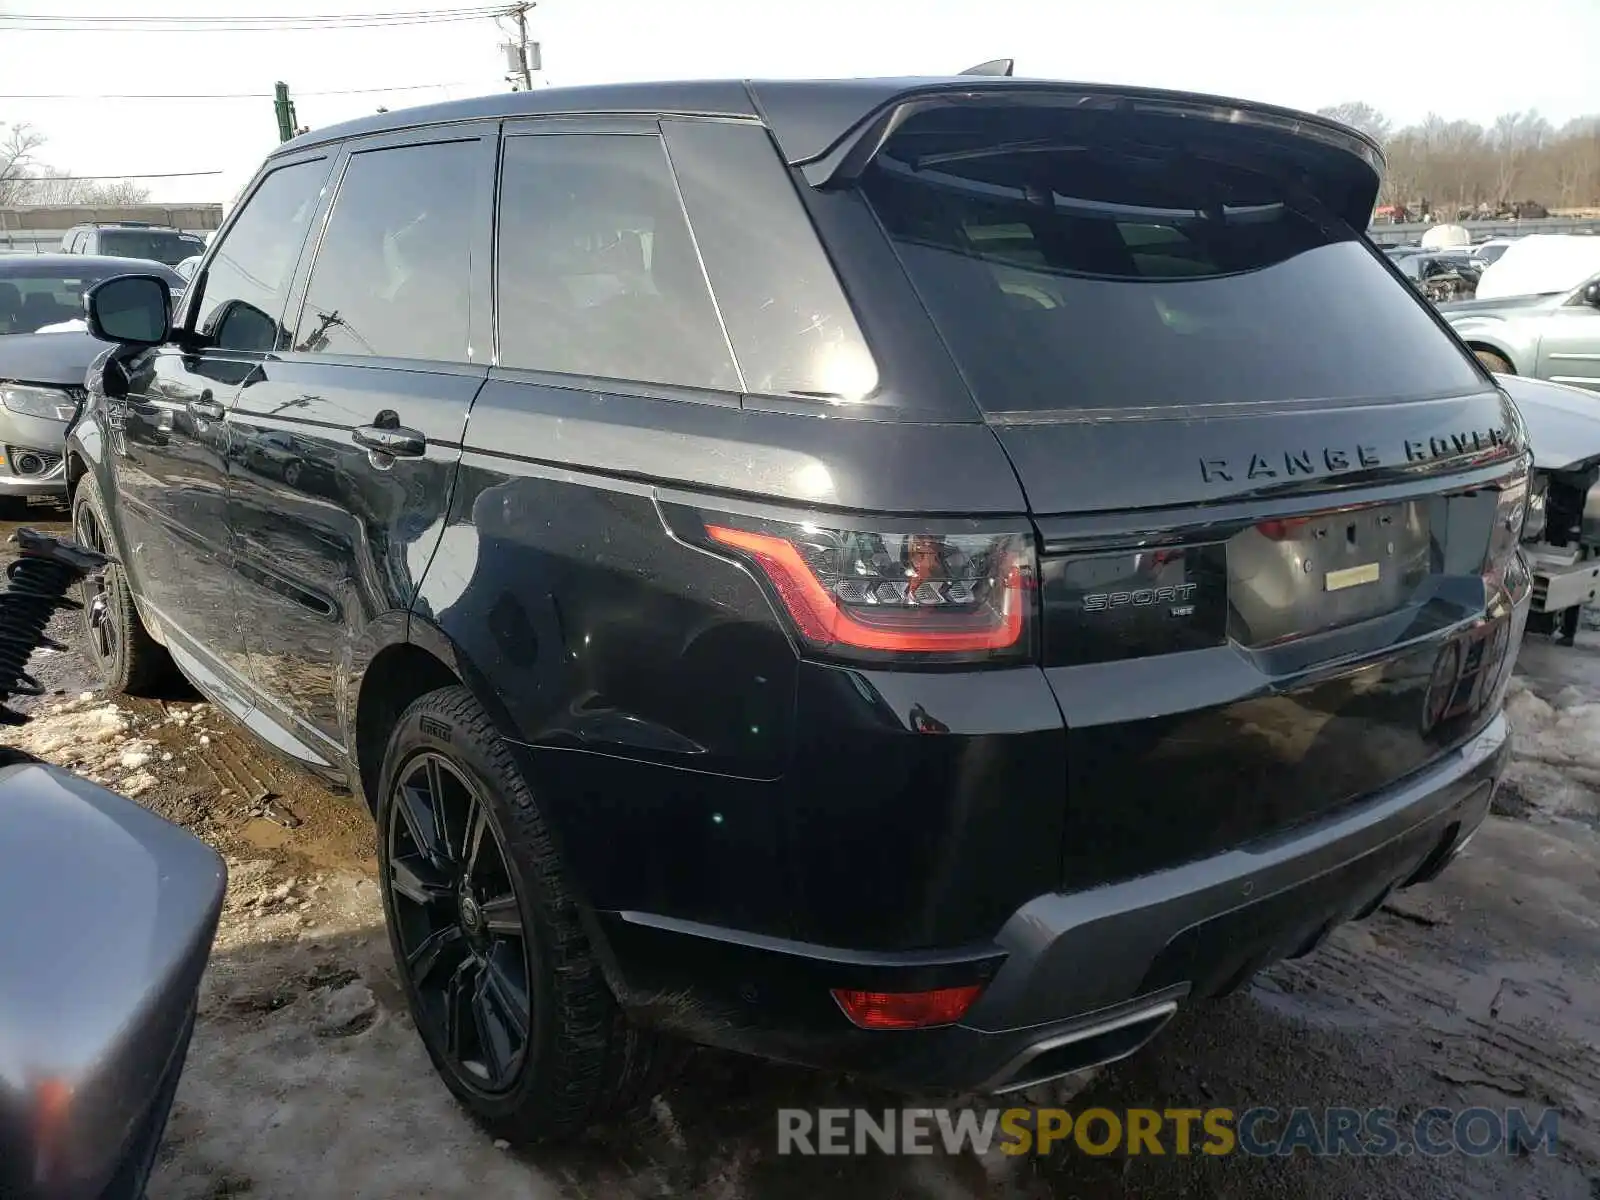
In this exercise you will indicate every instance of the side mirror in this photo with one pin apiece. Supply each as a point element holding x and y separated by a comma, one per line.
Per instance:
<point>239,325</point>
<point>132,309</point>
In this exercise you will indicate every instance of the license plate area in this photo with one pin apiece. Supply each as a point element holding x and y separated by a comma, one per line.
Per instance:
<point>1303,575</point>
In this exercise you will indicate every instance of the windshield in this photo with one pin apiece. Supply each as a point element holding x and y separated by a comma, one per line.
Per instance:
<point>34,303</point>
<point>1092,273</point>
<point>50,301</point>
<point>157,245</point>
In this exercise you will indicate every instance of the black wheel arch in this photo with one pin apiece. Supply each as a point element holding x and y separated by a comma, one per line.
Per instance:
<point>407,661</point>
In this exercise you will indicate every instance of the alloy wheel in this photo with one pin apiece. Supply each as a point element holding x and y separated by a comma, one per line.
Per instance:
<point>462,939</point>
<point>99,600</point>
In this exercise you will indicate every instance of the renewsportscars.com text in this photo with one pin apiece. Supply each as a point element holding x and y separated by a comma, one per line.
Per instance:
<point>1258,1131</point>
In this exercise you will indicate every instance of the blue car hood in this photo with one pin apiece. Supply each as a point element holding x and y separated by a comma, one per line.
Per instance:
<point>1563,422</point>
<point>58,358</point>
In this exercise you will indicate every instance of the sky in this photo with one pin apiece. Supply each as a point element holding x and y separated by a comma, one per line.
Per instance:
<point>1494,58</point>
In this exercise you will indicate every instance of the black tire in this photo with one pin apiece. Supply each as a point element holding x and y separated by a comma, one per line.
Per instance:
<point>579,1060</point>
<point>1496,363</point>
<point>129,661</point>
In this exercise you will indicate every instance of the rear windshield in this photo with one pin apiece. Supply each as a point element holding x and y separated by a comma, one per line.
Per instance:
<point>169,248</point>
<point>1074,273</point>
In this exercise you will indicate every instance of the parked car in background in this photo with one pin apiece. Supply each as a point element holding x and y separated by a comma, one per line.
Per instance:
<point>1554,336</point>
<point>1541,264</point>
<point>45,348</point>
<point>1142,609</point>
<point>187,267</point>
<point>133,239</point>
<point>1488,253</point>
<point>1562,534</point>
<point>1440,275</point>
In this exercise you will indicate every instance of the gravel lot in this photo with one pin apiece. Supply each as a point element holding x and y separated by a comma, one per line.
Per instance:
<point>306,1079</point>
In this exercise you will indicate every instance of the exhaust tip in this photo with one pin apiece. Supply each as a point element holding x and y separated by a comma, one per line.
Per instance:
<point>1092,1046</point>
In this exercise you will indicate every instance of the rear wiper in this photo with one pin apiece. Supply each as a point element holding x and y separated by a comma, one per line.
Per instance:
<point>1031,146</point>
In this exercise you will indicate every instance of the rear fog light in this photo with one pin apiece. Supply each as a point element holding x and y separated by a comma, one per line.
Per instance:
<point>907,1010</point>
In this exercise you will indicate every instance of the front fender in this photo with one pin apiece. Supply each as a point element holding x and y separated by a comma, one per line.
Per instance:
<point>85,446</point>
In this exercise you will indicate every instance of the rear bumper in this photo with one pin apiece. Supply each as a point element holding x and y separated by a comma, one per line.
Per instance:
<point>1072,979</point>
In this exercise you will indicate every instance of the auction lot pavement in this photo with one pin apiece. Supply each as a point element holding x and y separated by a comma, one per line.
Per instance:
<point>306,1079</point>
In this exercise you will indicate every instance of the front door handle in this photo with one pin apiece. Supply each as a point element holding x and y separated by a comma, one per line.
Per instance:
<point>205,408</point>
<point>393,440</point>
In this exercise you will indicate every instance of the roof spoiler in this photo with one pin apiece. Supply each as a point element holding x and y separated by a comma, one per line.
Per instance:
<point>1340,166</point>
<point>995,66</point>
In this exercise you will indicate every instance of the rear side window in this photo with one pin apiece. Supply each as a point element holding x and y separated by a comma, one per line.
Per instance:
<point>597,273</point>
<point>1080,271</point>
<point>392,274</point>
<point>792,329</point>
<point>247,283</point>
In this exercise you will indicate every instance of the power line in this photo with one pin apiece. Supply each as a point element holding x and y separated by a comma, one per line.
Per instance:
<point>234,28</point>
<point>41,24</point>
<point>107,178</point>
<point>270,19</point>
<point>405,87</point>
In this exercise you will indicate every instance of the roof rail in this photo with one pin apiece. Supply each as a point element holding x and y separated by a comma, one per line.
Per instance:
<point>995,66</point>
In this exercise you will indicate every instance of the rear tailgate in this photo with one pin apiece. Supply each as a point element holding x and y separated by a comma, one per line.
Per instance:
<point>1276,499</point>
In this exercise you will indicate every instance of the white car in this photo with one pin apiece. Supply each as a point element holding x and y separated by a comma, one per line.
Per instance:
<point>1561,536</point>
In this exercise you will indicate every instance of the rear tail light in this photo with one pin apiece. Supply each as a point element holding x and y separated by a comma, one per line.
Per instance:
<point>1538,494</point>
<point>1510,516</point>
<point>958,594</point>
<point>907,1010</point>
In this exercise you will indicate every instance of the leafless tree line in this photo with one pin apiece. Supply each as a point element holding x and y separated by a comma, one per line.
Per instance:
<point>1463,165</point>
<point>25,179</point>
<point>1450,164</point>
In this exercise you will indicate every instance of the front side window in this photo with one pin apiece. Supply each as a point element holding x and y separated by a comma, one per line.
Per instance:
<point>597,272</point>
<point>392,273</point>
<point>247,283</point>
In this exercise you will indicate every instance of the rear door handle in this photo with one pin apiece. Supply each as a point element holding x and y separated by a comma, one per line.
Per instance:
<point>205,408</point>
<point>393,440</point>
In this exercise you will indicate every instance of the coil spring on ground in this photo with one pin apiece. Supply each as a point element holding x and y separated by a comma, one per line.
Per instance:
<point>37,582</point>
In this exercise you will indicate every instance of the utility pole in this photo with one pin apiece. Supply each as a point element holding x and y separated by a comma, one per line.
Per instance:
<point>520,14</point>
<point>285,110</point>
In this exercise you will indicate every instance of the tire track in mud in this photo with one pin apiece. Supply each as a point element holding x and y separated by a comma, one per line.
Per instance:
<point>1518,1032</point>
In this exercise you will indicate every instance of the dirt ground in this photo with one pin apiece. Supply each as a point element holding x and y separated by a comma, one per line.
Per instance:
<point>306,1079</point>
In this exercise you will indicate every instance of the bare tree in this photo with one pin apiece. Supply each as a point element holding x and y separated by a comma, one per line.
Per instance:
<point>25,180</point>
<point>1515,138</point>
<point>16,159</point>
<point>1358,114</point>
<point>1458,166</point>
<point>121,191</point>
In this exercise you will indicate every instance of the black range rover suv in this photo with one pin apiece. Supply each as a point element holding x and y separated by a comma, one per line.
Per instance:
<point>915,576</point>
